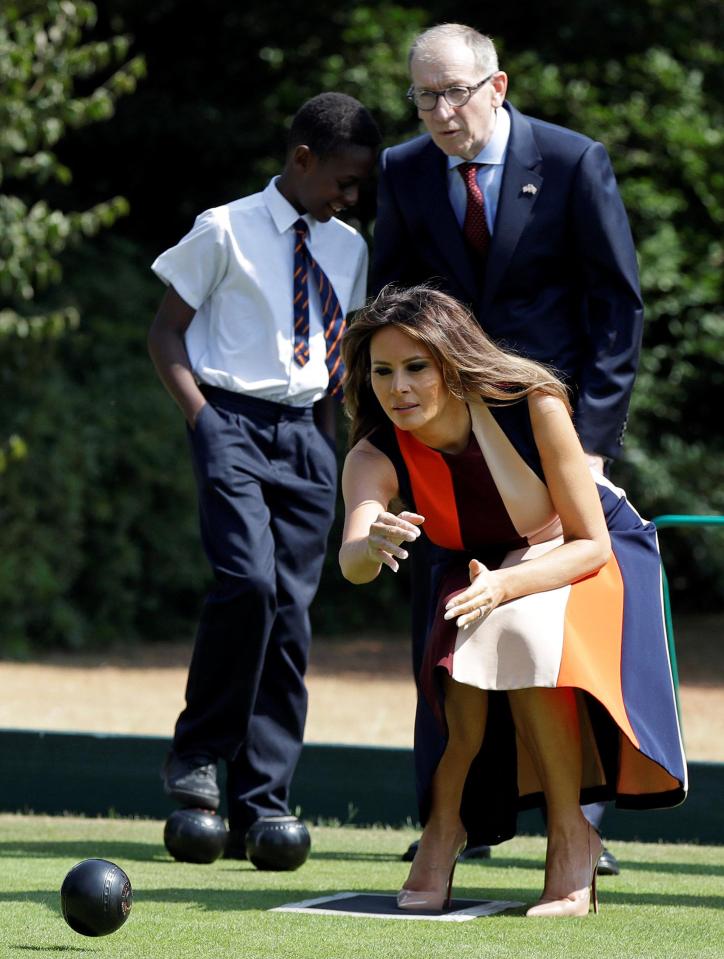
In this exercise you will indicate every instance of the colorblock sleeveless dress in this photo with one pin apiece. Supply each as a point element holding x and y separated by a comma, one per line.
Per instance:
<point>603,635</point>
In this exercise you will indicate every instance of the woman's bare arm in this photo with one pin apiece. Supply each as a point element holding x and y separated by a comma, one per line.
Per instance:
<point>372,535</point>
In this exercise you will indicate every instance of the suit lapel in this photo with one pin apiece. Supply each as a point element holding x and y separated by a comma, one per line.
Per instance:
<point>434,199</point>
<point>514,205</point>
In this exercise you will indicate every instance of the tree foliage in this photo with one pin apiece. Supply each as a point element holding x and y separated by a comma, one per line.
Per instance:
<point>98,520</point>
<point>42,60</point>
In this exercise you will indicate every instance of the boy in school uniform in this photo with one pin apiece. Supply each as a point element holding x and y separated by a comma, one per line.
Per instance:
<point>246,341</point>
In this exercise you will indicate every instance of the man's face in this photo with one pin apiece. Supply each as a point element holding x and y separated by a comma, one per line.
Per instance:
<point>327,186</point>
<point>458,131</point>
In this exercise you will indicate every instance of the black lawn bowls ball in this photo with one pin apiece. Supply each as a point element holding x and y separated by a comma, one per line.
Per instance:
<point>278,843</point>
<point>195,835</point>
<point>96,897</point>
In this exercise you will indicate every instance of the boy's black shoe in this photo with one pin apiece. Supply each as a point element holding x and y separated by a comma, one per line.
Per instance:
<point>191,780</point>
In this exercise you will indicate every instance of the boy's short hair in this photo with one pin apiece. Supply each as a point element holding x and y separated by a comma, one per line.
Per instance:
<point>330,122</point>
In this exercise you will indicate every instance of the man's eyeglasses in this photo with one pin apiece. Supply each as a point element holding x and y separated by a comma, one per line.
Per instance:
<point>456,96</point>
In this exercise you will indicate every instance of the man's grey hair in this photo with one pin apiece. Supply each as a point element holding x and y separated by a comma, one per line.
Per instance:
<point>427,45</point>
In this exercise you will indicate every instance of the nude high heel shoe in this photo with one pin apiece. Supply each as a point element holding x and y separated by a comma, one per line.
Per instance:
<point>430,899</point>
<point>578,903</point>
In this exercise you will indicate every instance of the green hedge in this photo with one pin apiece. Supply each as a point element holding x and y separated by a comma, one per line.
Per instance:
<point>98,522</point>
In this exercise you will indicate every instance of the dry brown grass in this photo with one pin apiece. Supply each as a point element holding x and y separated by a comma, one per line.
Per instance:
<point>360,691</point>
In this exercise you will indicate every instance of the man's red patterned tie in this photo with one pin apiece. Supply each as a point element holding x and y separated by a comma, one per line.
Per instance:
<point>475,226</point>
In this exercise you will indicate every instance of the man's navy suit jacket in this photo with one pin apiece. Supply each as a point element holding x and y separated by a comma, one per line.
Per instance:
<point>561,281</point>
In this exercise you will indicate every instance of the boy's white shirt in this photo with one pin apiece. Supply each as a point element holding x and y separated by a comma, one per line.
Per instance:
<point>234,267</point>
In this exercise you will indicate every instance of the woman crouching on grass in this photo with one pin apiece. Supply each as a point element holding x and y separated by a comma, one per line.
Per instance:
<point>546,678</point>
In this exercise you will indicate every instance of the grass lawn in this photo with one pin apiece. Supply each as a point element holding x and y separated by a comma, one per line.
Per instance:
<point>666,903</point>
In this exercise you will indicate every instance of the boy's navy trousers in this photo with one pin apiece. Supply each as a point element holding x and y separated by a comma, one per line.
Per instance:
<point>266,478</point>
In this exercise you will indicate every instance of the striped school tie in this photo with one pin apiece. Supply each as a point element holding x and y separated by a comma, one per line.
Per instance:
<point>475,227</point>
<point>332,316</point>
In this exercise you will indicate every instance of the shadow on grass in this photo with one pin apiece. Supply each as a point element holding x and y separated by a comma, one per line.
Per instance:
<point>680,868</point>
<point>639,865</point>
<point>148,852</point>
<point>357,856</point>
<point>86,849</point>
<point>242,900</point>
<point>495,862</point>
<point>50,948</point>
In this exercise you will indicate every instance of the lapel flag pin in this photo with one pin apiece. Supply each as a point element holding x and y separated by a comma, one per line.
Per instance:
<point>530,188</point>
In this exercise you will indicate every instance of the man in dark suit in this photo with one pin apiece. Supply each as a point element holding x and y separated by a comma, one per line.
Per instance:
<point>522,220</point>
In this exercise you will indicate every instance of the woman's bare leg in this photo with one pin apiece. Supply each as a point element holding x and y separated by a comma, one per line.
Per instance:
<point>466,712</point>
<point>547,722</point>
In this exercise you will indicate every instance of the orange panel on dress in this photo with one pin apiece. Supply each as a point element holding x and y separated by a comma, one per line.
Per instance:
<point>432,489</point>
<point>592,640</point>
<point>639,775</point>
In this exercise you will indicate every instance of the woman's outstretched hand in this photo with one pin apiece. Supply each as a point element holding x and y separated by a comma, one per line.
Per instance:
<point>388,532</point>
<point>476,602</point>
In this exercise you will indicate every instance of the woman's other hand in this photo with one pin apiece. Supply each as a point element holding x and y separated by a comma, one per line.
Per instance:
<point>476,602</point>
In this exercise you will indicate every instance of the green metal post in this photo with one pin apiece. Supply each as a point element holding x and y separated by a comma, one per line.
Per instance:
<point>678,519</point>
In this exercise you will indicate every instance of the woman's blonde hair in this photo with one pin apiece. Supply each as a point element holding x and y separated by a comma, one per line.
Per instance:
<point>471,364</point>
